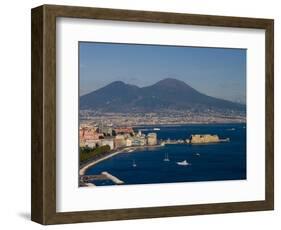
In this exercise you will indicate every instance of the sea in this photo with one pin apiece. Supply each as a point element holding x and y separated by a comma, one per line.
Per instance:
<point>206,162</point>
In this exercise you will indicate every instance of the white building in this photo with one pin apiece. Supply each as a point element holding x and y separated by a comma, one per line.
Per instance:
<point>108,141</point>
<point>129,142</point>
<point>92,143</point>
<point>119,141</point>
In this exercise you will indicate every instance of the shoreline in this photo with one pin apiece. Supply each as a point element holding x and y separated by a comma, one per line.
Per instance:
<point>187,124</point>
<point>84,168</point>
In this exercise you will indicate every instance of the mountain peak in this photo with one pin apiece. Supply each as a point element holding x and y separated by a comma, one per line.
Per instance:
<point>171,82</point>
<point>174,85</point>
<point>120,85</point>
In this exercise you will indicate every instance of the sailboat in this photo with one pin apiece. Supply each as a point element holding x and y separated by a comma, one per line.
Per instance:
<point>134,164</point>
<point>166,157</point>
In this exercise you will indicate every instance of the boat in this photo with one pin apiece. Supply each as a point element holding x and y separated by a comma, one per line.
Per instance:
<point>143,130</point>
<point>166,157</point>
<point>134,164</point>
<point>183,163</point>
<point>225,140</point>
<point>156,129</point>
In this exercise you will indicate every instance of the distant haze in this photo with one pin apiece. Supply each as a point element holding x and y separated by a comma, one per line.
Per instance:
<point>217,72</point>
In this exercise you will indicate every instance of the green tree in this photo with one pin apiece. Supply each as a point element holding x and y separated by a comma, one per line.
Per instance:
<point>87,153</point>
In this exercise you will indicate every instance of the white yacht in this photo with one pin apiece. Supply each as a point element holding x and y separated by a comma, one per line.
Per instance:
<point>183,163</point>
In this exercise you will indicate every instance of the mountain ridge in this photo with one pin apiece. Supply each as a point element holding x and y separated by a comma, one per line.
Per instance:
<point>168,93</point>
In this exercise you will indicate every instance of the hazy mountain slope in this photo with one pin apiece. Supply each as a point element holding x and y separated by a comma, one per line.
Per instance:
<point>165,94</point>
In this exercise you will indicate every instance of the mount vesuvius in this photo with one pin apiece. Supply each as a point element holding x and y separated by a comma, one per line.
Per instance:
<point>166,94</point>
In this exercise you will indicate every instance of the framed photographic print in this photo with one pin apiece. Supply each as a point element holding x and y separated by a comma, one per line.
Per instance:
<point>141,114</point>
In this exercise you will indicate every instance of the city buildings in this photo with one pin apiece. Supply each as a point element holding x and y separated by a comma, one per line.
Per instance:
<point>107,141</point>
<point>107,131</point>
<point>119,141</point>
<point>124,130</point>
<point>89,137</point>
<point>101,135</point>
<point>129,142</point>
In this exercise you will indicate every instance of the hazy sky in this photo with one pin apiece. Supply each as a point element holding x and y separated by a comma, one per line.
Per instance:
<point>216,72</point>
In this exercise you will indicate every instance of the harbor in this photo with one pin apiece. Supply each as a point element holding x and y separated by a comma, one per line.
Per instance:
<point>176,160</point>
<point>194,139</point>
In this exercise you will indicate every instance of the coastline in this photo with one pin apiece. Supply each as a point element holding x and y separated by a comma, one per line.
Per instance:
<point>84,168</point>
<point>187,124</point>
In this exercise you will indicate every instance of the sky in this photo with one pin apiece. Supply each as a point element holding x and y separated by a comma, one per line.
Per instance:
<point>217,72</point>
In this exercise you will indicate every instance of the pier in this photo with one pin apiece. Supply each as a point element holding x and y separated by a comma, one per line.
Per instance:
<point>86,179</point>
<point>113,178</point>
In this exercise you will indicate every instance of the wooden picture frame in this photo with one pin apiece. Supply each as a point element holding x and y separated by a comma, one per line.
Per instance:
<point>43,208</point>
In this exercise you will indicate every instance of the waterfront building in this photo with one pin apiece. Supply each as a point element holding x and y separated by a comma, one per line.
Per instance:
<point>89,137</point>
<point>89,134</point>
<point>92,143</point>
<point>206,138</point>
<point>136,142</point>
<point>143,140</point>
<point>119,141</point>
<point>129,142</point>
<point>107,141</point>
<point>139,141</point>
<point>152,139</point>
<point>82,142</point>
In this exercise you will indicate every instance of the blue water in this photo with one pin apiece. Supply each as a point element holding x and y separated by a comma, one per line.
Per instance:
<point>220,161</point>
